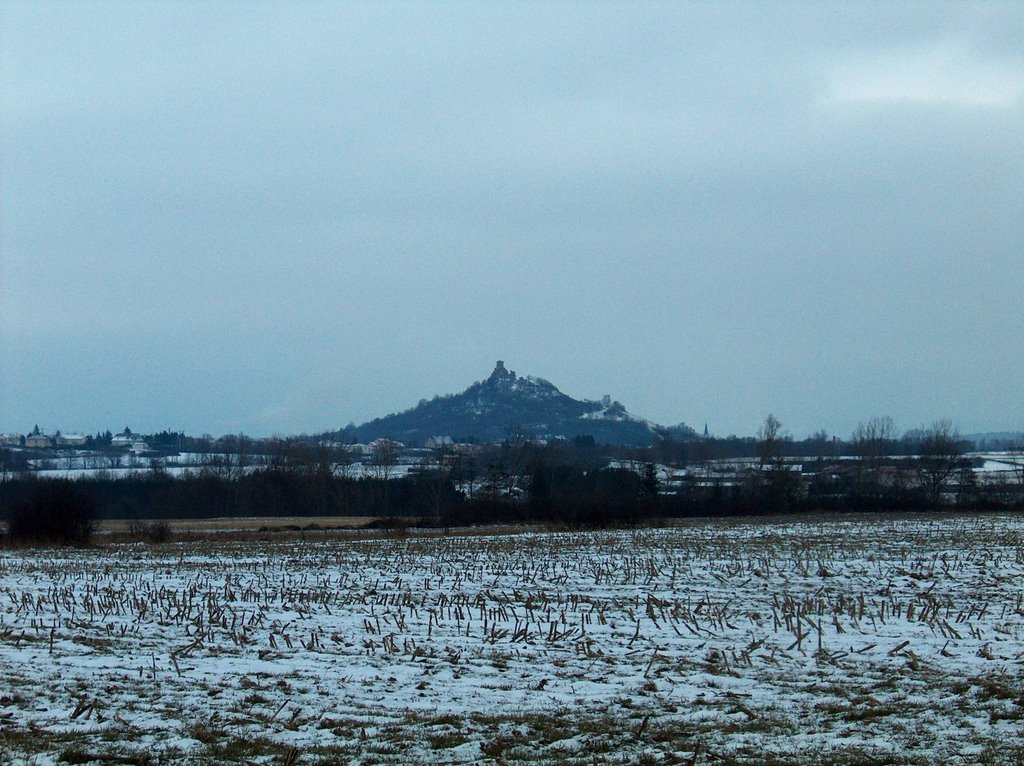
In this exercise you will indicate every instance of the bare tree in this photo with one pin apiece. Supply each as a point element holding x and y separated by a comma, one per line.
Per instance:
<point>243,456</point>
<point>215,465</point>
<point>315,463</point>
<point>277,454</point>
<point>967,490</point>
<point>773,483</point>
<point>1016,457</point>
<point>231,460</point>
<point>383,460</point>
<point>769,441</point>
<point>818,444</point>
<point>499,480</point>
<point>872,440</point>
<point>465,470</point>
<point>342,459</point>
<point>940,455</point>
<point>437,469</point>
<point>518,450</point>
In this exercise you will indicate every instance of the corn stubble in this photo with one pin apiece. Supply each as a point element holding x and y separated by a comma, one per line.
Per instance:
<point>872,639</point>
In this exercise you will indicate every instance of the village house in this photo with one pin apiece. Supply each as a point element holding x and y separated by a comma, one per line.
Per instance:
<point>38,441</point>
<point>71,440</point>
<point>123,440</point>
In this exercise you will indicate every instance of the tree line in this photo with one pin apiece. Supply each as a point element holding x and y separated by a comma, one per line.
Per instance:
<point>521,480</point>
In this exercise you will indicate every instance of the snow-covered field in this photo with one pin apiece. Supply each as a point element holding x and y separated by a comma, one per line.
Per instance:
<point>865,640</point>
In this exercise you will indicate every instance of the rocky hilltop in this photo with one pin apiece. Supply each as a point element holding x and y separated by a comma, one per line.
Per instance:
<point>505,405</point>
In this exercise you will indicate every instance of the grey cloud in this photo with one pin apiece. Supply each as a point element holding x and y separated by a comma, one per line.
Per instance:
<point>263,203</point>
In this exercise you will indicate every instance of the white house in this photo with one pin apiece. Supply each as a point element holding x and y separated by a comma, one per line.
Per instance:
<point>71,440</point>
<point>124,439</point>
<point>385,442</point>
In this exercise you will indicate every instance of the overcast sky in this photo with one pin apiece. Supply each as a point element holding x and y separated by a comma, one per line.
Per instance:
<point>282,217</point>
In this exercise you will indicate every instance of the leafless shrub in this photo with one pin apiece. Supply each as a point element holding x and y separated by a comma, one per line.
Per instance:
<point>156,532</point>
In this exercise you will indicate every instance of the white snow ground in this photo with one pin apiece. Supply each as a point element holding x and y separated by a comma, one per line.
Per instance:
<point>861,640</point>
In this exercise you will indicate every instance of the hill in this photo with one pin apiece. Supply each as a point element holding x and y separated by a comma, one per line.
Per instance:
<point>505,405</point>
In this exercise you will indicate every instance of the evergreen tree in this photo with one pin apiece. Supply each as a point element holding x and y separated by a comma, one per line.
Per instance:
<point>650,480</point>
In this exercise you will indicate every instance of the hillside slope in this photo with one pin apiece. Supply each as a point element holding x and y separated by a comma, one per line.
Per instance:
<point>503,405</point>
